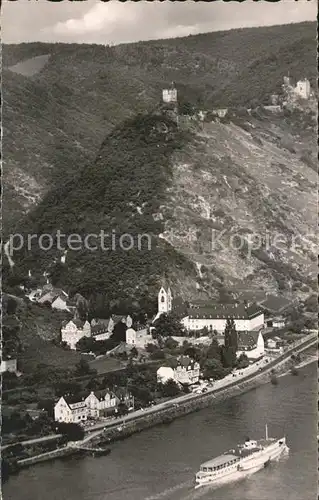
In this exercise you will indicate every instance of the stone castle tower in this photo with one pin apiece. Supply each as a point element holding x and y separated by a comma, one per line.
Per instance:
<point>164,301</point>
<point>170,102</point>
<point>170,94</point>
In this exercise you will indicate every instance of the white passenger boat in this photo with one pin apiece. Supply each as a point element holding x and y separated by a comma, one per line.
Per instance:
<point>245,459</point>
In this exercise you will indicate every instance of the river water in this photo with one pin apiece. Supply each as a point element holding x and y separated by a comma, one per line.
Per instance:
<point>160,463</point>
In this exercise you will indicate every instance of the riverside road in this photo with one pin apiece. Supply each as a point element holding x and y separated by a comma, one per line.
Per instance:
<point>264,366</point>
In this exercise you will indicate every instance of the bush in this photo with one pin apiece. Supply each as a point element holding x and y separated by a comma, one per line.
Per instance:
<point>151,348</point>
<point>170,343</point>
<point>242,361</point>
<point>47,405</point>
<point>170,389</point>
<point>83,368</point>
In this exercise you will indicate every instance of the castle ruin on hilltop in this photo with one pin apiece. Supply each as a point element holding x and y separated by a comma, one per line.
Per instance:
<point>170,102</point>
<point>302,90</point>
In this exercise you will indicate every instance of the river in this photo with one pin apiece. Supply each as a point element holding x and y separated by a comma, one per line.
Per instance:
<point>160,463</point>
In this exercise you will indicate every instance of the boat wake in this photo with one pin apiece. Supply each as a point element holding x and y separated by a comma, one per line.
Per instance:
<point>169,491</point>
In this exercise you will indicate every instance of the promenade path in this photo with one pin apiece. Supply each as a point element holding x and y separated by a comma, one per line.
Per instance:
<point>52,437</point>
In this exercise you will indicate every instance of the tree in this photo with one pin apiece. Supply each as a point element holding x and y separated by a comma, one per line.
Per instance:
<point>10,335</point>
<point>186,108</point>
<point>119,331</point>
<point>151,347</point>
<point>193,352</point>
<point>9,380</point>
<point>231,344</point>
<point>298,325</point>
<point>9,305</point>
<point>64,387</point>
<point>142,395</point>
<point>157,354</point>
<point>170,388</point>
<point>73,432</point>
<point>311,303</point>
<point>134,352</point>
<point>212,368</point>
<point>122,409</point>
<point>168,325</point>
<point>82,308</point>
<point>170,343</point>
<point>86,344</point>
<point>93,384</point>
<point>47,405</point>
<point>214,351</point>
<point>83,368</point>
<point>242,361</point>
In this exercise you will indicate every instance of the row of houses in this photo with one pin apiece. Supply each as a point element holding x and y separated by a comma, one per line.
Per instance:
<point>71,409</point>
<point>187,371</point>
<point>99,329</point>
<point>53,296</point>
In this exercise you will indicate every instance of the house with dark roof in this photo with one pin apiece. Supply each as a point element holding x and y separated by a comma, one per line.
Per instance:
<point>56,297</point>
<point>214,317</point>
<point>101,329</point>
<point>275,304</point>
<point>252,344</point>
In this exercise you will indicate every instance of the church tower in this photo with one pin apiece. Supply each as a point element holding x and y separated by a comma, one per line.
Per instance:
<point>162,301</point>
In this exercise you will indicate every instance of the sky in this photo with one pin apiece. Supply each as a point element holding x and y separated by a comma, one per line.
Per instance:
<point>114,22</point>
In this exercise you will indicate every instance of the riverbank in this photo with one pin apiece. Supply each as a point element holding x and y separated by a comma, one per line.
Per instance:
<point>180,408</point>
<point>160,463</point>
<point>165,413</point>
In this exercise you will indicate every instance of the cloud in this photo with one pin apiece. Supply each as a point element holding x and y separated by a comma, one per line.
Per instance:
<point>115,22</point>
<point>101,17</point>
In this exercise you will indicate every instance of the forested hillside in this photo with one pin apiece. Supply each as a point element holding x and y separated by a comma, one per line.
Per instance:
<point>56,119</point>
<point>121,192</point>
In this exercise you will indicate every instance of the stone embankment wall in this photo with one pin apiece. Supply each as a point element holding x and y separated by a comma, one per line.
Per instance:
<point>167,415</point>
<point>50,455</point>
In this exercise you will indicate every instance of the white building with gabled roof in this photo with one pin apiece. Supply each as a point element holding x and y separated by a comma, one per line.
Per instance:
<point>70,410</point>
<point>100,402</point>
<point>74,330</point>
